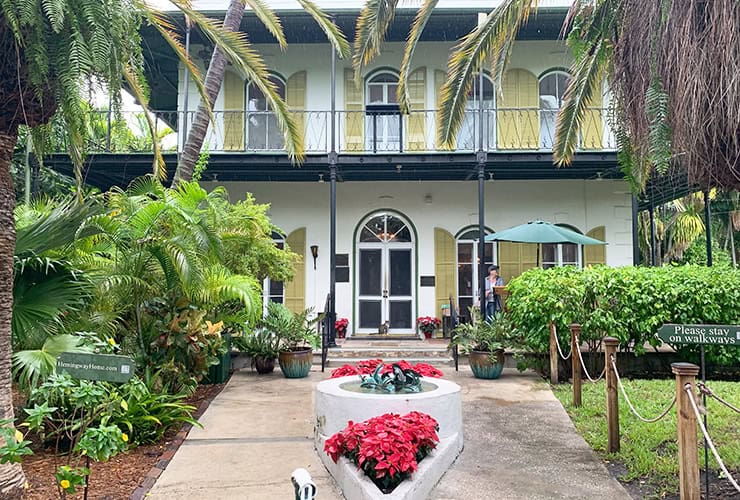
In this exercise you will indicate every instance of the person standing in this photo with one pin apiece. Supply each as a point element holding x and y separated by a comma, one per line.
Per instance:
<point>493,301</point>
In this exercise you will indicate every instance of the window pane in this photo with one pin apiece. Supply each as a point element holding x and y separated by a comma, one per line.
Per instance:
<point>370,272</point>
<point>403,236</point>
<point>257,131</point>
<point>549,253</point>
<point>489,255</point>
<point>400,272</point>
<point>392,94</point>
<point>400,314</point>
<point>369,313</point>
<point>276,288</point>
<point>464,252</point>
<point>275,139</point>
<point>465,305</point>
<point>465,279</point>
<point>375,94</point>
<point>570,253</point>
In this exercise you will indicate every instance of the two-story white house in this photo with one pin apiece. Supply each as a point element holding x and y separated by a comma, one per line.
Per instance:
<point>407,221</point>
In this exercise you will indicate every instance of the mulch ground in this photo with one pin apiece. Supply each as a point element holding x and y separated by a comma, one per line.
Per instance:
<point>113,480</point>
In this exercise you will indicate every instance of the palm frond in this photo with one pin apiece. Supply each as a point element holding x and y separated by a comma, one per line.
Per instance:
<point>417,28</point>
<point>372,24</point>
<point>32,366</point>
<point>269,20</point>
<point>330,29</point>
<point>487,41</point>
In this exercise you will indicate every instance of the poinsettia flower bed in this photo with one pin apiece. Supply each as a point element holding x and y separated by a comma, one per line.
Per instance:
<point>368,366</point>
<point>387,448</point>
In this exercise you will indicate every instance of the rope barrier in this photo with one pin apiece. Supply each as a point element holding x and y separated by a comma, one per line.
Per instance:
<point>629,403</point>
<point>583,365</point>
<point>687,389</point>
<point>706,390</point>
<point>560,351</point>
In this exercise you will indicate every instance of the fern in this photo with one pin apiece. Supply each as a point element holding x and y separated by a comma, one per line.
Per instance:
<point>660,135</point>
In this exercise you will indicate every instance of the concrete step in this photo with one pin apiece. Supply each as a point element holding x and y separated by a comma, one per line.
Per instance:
<point>440,362</point>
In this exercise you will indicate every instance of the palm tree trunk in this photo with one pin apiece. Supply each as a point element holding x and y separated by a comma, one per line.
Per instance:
<point>12,478</point>
<point>214,80</point>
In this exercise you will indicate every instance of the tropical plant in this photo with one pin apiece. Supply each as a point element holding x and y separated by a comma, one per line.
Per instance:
<point>293,330</point>
<point>258,344</point>
<point>33,366</point>
<point>256,72</point>
<point>49,52</point>
<point>487,336</point>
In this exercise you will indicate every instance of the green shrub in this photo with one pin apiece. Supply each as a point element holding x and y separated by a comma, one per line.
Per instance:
<point>629,303</point>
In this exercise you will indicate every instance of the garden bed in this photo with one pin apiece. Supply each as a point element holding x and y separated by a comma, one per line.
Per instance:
<point>647,464</point>
<point>122,475</point>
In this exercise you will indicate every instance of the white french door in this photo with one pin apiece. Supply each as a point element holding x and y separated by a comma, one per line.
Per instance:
<point>385,276</point>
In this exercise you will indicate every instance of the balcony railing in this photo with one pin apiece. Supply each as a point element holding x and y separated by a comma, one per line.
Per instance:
<point>360,132</point>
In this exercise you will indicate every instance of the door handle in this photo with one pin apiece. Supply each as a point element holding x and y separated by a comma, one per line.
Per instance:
<point>385,294</point>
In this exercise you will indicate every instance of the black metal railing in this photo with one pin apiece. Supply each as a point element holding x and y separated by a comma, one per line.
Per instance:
<point>379,129</point>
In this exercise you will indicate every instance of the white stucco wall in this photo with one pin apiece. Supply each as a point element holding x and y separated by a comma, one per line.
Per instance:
<point>454,205</point>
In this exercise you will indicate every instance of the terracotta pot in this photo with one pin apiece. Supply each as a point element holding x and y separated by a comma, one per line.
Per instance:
<point>264,365</point>
<point>296,363</point>
<point>486,364</point>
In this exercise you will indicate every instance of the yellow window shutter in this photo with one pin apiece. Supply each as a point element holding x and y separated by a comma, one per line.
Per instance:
<point>415,126</point>
<point>518,115</point>
<point>592,134</point>
<point>595,254</point>
<point>295,290</point>
<point>439,80</point>
<point>515,258</point>
<point>295,97</point>
<point>233,112</point>
<point>444,268</point>
<point>354,113</point>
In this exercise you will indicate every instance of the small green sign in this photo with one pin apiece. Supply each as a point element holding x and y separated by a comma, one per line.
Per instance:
<point>700,334</point>
<point>89,366</point>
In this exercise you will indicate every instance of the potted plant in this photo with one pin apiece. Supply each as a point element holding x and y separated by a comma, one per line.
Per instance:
<point>297,336</point>
<point>262,346</point>
<point>340,327</point>
<point>485,342</point>
<point>427,325</point>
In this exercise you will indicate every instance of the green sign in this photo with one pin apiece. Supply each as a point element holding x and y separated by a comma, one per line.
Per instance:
<point>91,366</point>
<point>700,334</point>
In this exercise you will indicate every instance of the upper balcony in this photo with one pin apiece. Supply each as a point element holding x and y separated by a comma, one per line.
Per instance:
<point>378,130</point>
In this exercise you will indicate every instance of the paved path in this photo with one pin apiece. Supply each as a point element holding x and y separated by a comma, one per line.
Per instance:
<point>519,444</point>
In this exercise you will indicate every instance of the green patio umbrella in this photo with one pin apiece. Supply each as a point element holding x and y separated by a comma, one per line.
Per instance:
<point>539,232</point>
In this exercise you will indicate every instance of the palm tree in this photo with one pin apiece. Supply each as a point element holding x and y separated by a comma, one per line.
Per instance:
<point>256,73</point>
<point>671,67</point>
<point>47,51</point>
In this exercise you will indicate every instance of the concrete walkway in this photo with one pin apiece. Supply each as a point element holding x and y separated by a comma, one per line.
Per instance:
<point>519,444</point>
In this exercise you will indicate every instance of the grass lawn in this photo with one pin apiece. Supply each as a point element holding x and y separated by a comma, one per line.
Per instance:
<point>649,451</point>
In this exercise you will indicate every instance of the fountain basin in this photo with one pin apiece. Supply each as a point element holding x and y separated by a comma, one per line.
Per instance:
<point>336,406</point>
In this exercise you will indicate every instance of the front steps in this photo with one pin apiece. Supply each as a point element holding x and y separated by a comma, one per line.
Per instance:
<point>413,351</point>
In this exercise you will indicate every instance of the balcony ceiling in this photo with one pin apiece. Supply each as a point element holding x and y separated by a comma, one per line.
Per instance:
<point>161,62</point>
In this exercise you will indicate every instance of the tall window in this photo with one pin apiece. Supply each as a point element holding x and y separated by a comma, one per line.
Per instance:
<point>552,91</point>
<point>468,137</point>
<point>561,254</point>
<point>383,121</point>
<point>468,269</point>
<point>262,130</point>
<point>274,291</point>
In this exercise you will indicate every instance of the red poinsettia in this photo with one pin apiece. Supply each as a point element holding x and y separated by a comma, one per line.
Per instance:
<point>387,448</point>
<point>368,366</point>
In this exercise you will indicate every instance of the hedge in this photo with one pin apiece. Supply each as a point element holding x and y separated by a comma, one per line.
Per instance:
<point>629,303</point>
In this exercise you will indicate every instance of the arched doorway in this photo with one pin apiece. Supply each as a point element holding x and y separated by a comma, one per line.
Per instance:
<point>468,267</point>
<point>469,133</point>
<point>385,274</point>
<point>263,132</point>
<point>552,91</point>
<point>382,113</point>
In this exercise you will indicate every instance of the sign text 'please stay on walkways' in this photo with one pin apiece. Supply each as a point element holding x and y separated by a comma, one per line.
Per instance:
<point>700,334</point>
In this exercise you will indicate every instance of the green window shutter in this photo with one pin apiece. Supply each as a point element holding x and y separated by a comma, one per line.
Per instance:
<point>595,254</point>
<point>439,80</point>
<point>592,133</point>
<point>354,113</point>
<point>518,115</point>
<point>295,98</point>
<point>233,112</point>
<point>515,258</point>
<point>295,290</point>
<point>445,267</point>
<point>415,126</point>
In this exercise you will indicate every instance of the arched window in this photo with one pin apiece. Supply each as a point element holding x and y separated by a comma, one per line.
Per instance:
<point>562,254</point>
<point>468,137</point>
<point>274,291</point>
<point>262,130</point>
<point>552,91</point>
<point>383,118</point>
<point>468,268</point>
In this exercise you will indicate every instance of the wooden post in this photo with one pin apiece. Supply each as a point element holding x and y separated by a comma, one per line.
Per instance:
<point>553,355</point>
<point>612,398</point>
<point>575,362</point>
<point>688,450</point>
